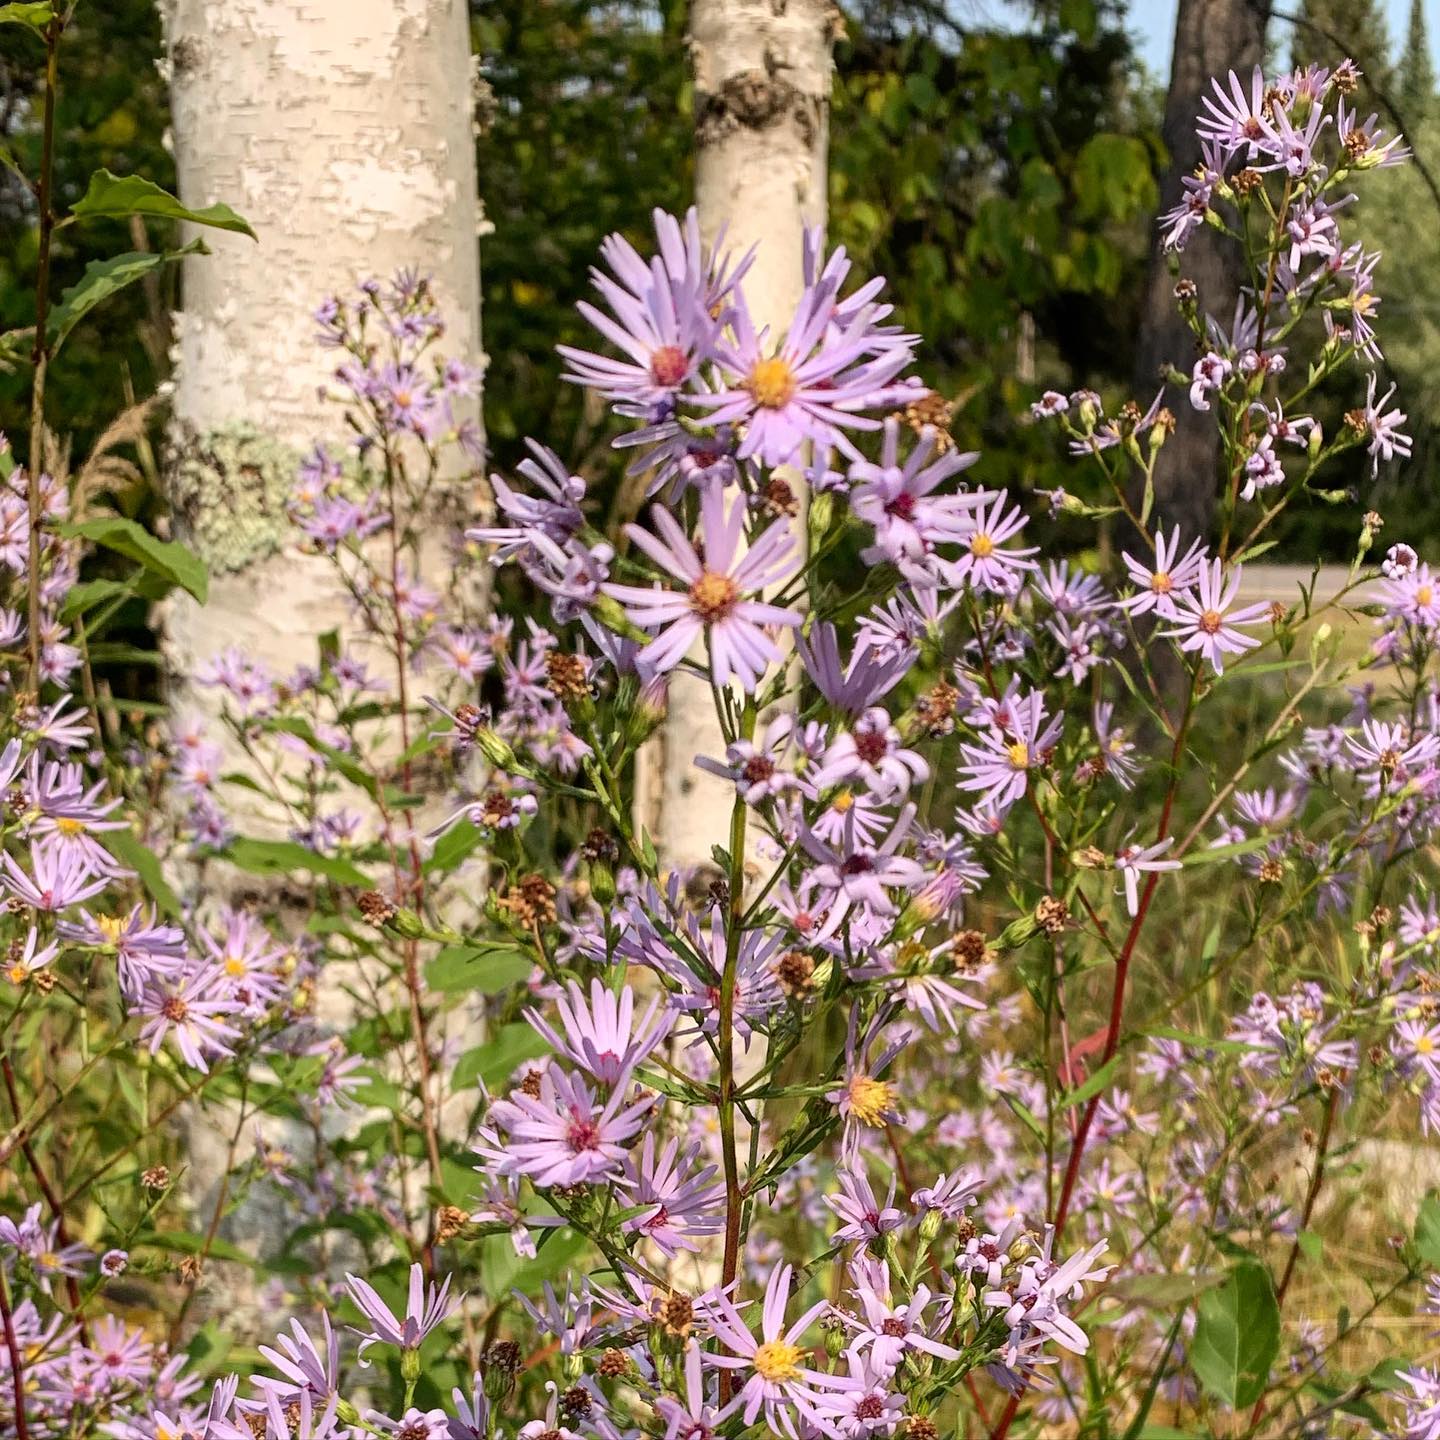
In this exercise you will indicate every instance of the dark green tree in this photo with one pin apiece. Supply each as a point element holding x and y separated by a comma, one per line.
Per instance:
<point>1417,70</point>
<point>1326,31</point>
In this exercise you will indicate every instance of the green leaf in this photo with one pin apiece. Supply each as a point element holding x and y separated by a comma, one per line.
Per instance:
<point>1237,1336</point>
<point>1092,1085</point>
<point>482,970</point>
<point>33,16</point>
<point>494,1061</point>
<point>104,278</point>
<point>344,762</point>
<point>281,857</point>
<point>459,842</point>
<point>166,558</point>
<point>115,196</point>
<point>1427,1231</point>
<point>126,847</point>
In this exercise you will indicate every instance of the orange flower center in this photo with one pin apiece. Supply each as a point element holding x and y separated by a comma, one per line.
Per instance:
<point>713,596</point>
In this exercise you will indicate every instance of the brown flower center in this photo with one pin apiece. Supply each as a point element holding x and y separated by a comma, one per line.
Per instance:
<point>712,596</point>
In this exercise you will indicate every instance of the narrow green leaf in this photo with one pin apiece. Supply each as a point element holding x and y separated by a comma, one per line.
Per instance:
<point>1237,1336</point>
<point>281,857</point>
<point>116,196</point>
<point>125,846</point>
<point>165,558</point>
<point>1092,1085</point>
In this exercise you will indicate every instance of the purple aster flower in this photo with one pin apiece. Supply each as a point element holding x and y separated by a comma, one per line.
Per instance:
<point>888,1332</point>
<point>864,1218</point>
<point>777,1381</point>
<point>1206,621</point>
<point>866,1405</point>
<point>602,1037</point>
<point>696,1418</point>
<point>683,1201</point>
<point>1018,740</point>
<point>987,564</point>
<point>754,766</point>
<point>426,1307</point>
<point>56,879</point>
<point>1157,583</point>
<point>1134,860</point>
<point>859,871</point>
<point>713,605</point>
<point>897,501</point>
<point>872,751</point>
<point>188,1009</point>
<point>811,386</point>
<point>1386,439</point>
<point>667,312</point>
<point>561,1137</point>
<point>871,673</point>
<point>303,1365</point>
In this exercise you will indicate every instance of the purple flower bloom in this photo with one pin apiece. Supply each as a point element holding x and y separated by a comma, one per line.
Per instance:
<point>713,605</point>
<point>426,1307</point>
<point>778,1382</point>
<point>560,1137</point>
<point>1206,622</point>
<point>602,1037</point>
<point>811,386</point>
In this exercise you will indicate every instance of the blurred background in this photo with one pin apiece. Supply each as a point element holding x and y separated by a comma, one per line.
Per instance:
<point>1000,161</point>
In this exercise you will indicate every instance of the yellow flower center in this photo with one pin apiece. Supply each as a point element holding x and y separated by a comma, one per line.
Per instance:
<point>66,826</point>
<point>234,966</point>
<point>843,802</point>
<point>1018,755</point>
<point>1161,583</point>
<point>981,546</point>
<point>777,1361</point>
<point>1424,595</point>
<point>713,596</point>
<point>47,1260</point>
<point>772,383</point>
<point>109,926</point>
<point>871,1100</point>
<point>1211,621</point>
<point>17,973</point>
<point>1424,1046</point>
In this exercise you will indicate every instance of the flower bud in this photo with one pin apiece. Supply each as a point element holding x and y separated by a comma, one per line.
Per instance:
<point>495,748</point>
<point>930,1223</point>
<point>410,1366</point>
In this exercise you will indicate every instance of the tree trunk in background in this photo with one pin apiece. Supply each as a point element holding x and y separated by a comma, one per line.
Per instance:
<point>1211,37</point>
<point>763,72</point>
<point>342,130</point>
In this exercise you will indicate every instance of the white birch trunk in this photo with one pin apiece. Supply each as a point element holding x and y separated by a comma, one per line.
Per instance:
<point>763,72</point>
<point>342,130</point>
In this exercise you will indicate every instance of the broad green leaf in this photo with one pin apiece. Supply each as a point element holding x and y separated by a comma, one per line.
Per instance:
<point>103,278</point>
<point>33,16</point>
<point>482,970</point>
<point>494,1061</point>
<point>1427,1231</point>
<point>1237,1336</point>
<point>116,196</point>
<point>89,595</point>
<point>459,842</point>
<point>282,857</point>
<point>125,846</point>
<point>165,558</point>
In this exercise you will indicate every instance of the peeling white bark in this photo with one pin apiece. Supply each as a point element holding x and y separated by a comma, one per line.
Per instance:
<point>763,72</point>
<point>342,130</point>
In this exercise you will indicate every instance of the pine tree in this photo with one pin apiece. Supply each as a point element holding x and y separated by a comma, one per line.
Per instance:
<point>1417,70</point>
<point>1326,31</point>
